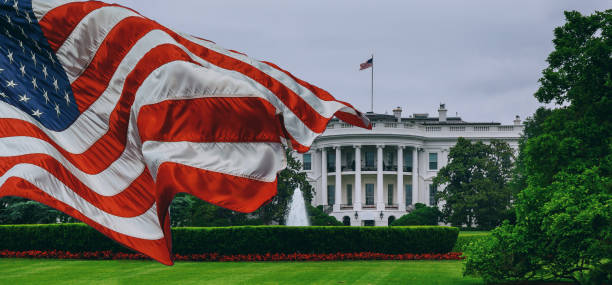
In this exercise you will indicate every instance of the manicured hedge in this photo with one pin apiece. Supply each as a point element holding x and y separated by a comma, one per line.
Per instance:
<point>243,240</point>
<point>466,238</point>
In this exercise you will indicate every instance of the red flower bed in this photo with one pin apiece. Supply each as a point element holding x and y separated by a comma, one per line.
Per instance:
<point>108,255</point>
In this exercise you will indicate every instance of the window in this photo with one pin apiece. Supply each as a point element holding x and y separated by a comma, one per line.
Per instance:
<point>368,223</point>
<point>369,194</point>
<point>407,161</point>
<point>307,161</point>
<point>331,161</point>
<point>331,194</point>
<point>408,194</point>
<point>349,194</point>
<point>350,161</point>
<point>390,194</point>
<point>388,160</point>
<point>346,220</point>
<point>433,161</point>
<point>391,220</point>
<point>369,163</point>
<point>432,194</point>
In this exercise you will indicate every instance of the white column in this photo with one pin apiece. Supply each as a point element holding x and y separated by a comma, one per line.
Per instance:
<point>380,202</point>
<point>444,162</point>
<point>323,176</point>
<point>415,175</point>
<point>401,201</point>
<point>338,193</point>
<point>357,188</point>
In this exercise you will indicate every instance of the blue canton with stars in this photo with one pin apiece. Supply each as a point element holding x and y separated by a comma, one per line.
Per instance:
<point>31,77</point>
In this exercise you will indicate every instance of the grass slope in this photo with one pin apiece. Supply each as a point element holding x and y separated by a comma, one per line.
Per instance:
<point>37,271</point>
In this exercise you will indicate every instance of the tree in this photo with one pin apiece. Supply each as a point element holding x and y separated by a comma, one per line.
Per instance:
<point>563,212</point>
<point>204,214</point>
<point>15,210</point>
<point>475,184</point>
<point>421,216</point>
<point>288,180</point>
<point>319,218</point>
<point>181,210</point>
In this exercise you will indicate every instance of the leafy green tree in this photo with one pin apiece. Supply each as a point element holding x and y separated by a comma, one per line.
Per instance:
<point>15,210</point>
<point>181,210</point>
<point>475,184</point>
<point>564,212</point>
<point>319,218</point>
<point>204,214</point>
<point>288,180</point>
<point>421,216</point>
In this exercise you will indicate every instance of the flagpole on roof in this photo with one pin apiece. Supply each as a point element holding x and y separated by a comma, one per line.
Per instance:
<point>372,99</point>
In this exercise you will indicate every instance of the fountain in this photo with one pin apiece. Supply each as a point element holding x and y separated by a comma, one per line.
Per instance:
<point>297,215</point>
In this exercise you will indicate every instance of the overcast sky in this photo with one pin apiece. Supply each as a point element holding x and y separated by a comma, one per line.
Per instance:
<point>482,58</point>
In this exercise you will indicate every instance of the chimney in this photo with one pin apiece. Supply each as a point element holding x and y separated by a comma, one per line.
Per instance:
<point>397,112</point>
<point>442,113</point>
<point>517,120</point>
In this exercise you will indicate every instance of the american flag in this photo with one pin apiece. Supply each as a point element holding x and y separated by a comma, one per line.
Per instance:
<point>106,115</point>
<point>369,63</point>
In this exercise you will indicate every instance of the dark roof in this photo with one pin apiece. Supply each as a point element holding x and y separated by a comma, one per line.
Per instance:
<point>380,117</point>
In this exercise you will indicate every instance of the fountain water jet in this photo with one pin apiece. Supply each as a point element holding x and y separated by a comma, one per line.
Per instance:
<point>297,215</point>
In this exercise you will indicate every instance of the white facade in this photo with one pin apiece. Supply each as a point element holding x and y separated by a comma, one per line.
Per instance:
<point>397,151</point>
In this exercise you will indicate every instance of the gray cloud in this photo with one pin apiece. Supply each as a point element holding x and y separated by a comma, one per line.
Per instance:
<point>483,58</point>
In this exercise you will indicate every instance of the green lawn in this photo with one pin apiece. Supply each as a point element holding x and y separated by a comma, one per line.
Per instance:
<point>37,271</point>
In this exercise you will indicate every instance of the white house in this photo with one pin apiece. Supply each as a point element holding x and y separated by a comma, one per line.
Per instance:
<point>372,177</point>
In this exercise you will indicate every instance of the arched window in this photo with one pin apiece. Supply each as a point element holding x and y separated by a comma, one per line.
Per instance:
<point>391,219</point>
<point>346,221</point>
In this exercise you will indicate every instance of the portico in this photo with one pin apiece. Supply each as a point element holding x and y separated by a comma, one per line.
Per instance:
<point>379,176</point>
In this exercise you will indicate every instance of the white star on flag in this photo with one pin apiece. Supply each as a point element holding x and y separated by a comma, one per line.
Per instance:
<point>24,98</point>
<point>36,113</point>
<point>46,96</point>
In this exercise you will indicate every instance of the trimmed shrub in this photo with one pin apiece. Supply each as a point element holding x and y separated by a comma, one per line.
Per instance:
<point>67,237</point>
<point>422,215</point>
<point>465,238</point>
<point>318,218</point>
<point>243,240</point>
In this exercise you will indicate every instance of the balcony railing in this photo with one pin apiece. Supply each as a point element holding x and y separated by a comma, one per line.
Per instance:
<point>368,168</point>
<point>368,206</point>
<point>389,167</point>
<point>391,206</point>
<point>350,167</point>
<point>430,128</point>
<point>346,206</point>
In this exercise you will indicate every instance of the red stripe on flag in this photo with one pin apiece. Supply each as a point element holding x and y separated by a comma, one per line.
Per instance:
<point>210,119</point>
<point>92,161</point>
<point>112,144</point>
<point>310,117</point>
<point>228,191</point>
<point>59,23</point>
<point>95,79</point>
<point>156,249</point>
<point>136,199</point>
<point>324,95</point>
